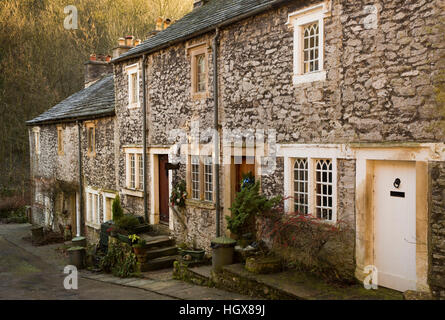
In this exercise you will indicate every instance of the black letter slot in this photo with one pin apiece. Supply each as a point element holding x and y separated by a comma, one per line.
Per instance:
<point>397,194</point>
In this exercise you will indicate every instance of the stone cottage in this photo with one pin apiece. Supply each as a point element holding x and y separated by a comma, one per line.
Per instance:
<point>329,103</point>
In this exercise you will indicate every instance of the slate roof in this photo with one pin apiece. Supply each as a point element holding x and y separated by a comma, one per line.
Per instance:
<point>96,100</point>
<point>201,20</point>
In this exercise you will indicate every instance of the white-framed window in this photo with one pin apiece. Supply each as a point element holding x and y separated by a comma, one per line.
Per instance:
<point>133,86</point>
<point>36,137</point>
<point>301,186</point>
<point>134,168</point>
<point>195,178</point>
<point>107,205</point>
<point>313,186</point>
<point>93,202</point>
<point>200,178</point>
<point>308,51</point>
<point>323,189</point>
<point>208,179</point>
<point>140,171</point>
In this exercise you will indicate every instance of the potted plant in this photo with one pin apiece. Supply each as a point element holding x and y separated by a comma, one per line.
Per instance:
<point>138,244</point>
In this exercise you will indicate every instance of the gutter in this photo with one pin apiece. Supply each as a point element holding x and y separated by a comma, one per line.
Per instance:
<point>216,130</point>
<point>203,31</point>
<point>72,119</point>
<point>144,139</point>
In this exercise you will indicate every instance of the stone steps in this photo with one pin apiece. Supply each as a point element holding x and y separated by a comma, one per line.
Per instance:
<point>162,252</point>
<point>153,242</point>
<point>157,263</point>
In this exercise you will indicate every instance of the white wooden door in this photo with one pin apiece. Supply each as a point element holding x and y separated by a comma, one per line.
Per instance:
<point>395,224</point>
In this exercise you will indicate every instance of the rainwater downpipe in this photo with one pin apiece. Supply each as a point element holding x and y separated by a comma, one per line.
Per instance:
<point>144,139</point>
<point>216,131</point>
<point>79,219</point>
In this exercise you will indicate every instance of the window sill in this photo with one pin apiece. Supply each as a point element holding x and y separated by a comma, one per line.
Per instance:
<point>134,106</point>
<point>93,225</point>
<point>309,77</point>
<point>200,95</point>
<point>133,192</point>
<point>200,204</point>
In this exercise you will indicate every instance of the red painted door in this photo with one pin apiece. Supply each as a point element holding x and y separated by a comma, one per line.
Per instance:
<point>164,193</point>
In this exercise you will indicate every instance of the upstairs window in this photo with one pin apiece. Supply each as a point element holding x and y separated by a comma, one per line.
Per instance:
<point>308,27</point>
<point>91,139</point>
<point>36,136</point>
<point>133,85</point>
<point>311,55</point>
<point>199,70</point>
<point>60,140</point>
<point>200,73</point>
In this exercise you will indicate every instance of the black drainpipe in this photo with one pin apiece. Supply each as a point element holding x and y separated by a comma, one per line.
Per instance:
<point>79,131</point>
<point>216,128</point>
<point>144,139</point>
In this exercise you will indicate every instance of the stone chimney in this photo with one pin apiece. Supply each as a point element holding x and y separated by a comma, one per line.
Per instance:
<point>96,68</point>
<point>124,44</point>
<point>159,24</point>
<point>167,23</point>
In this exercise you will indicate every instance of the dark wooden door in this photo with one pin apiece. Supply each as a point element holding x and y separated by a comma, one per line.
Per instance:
<point>164,193</point>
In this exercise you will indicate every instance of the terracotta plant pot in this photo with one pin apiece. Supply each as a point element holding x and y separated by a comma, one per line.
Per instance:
<point>139,250</point>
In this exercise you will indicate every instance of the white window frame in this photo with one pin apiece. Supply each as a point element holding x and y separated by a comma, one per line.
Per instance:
<point>93,205</point>
<point>36,137</point>
<point>195,161</point>
<point>208,186</point>
<point>312,198</point>
<point>105,197</point>
<point>137,151</point>
<point>133,69</point>
<point>297,21</point>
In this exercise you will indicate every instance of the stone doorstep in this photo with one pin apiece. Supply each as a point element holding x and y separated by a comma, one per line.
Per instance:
<point>202,271</point>
<point>300,287</point>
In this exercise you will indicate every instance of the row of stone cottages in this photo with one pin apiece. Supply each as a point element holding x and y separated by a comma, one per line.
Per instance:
<point>342,92</point>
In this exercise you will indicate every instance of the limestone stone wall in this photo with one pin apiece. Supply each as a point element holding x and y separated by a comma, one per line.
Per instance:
<point>98,170</point>
<point>128,131</point>
<point>52,173</point>
<point>379,81</point>
<point>437,229</point>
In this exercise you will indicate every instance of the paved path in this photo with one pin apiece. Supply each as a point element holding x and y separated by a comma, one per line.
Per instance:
<point>29,272</point>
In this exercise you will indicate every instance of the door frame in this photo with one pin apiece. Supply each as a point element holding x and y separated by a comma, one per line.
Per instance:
<point>365,162</point>
<point>154,185</point>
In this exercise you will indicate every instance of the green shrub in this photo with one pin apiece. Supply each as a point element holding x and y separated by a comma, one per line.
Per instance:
<point>116,209</point>
<point>119,260</point>
<point>127,222</point>
<point>248,203</point>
